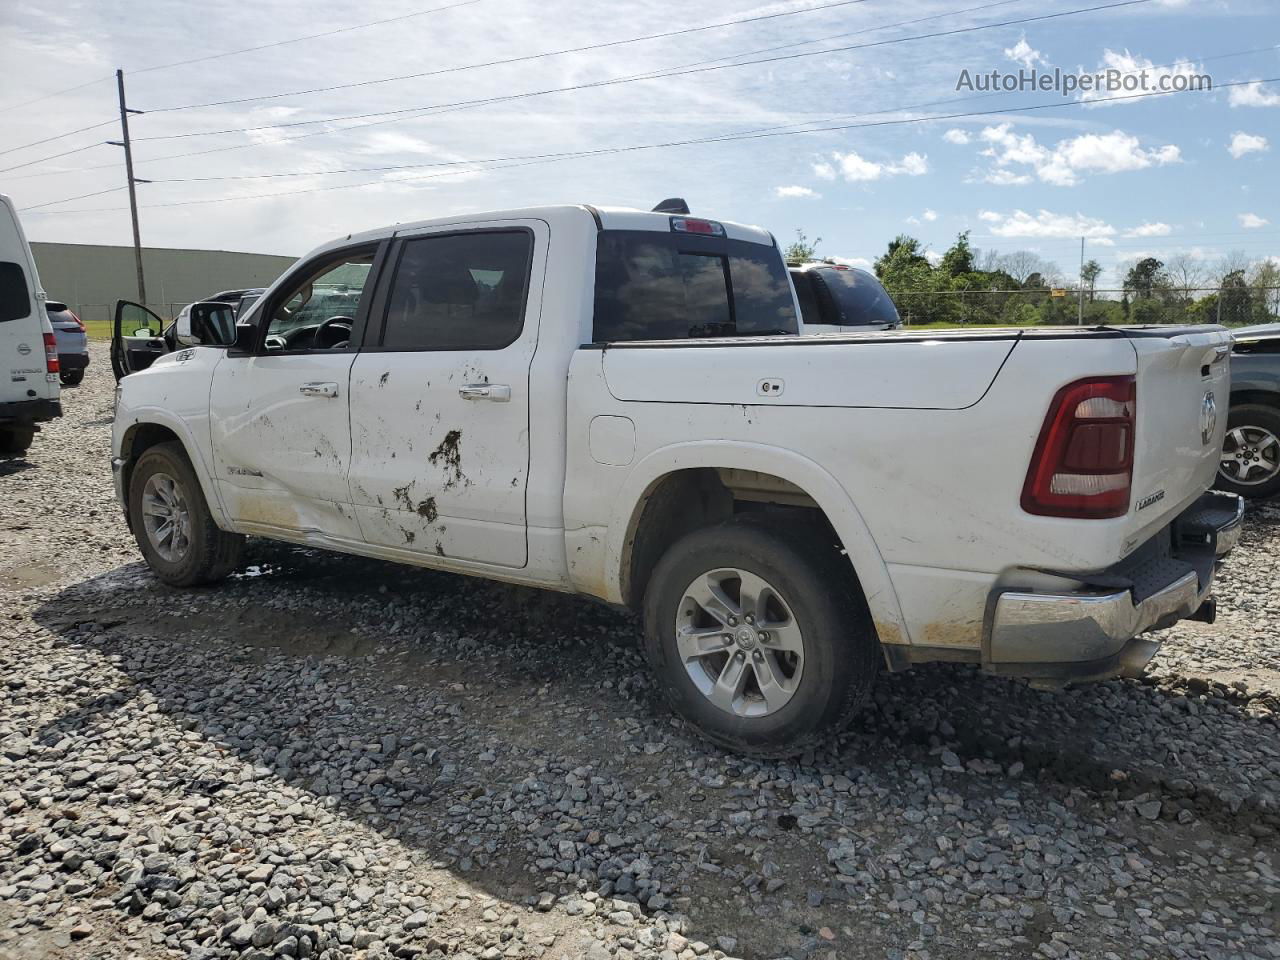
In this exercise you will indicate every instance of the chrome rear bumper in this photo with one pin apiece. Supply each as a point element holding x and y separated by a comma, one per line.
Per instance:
<point>1094,634</point>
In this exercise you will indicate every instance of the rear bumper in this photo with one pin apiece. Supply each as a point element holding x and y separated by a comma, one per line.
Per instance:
<point>73,361</point>
<point>30,411</point>
<point>1097,633</point>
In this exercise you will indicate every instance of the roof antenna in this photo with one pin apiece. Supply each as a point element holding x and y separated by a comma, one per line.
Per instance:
<point>672,205</point>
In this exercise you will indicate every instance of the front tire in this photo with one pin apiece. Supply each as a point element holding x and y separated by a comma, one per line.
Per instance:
<point>1251,452</point>
<point>758,636</point>
<point>172,524</point>
<point>72,378</point>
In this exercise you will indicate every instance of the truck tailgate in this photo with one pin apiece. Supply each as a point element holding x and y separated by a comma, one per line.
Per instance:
<point>1183,393</point>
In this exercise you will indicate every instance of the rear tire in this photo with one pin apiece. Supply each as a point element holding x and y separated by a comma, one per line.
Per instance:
<point>795,627</point>
<point>14,441</point>
<point>1251,452</point>
<point>172,523</point>
<point>71,378</point>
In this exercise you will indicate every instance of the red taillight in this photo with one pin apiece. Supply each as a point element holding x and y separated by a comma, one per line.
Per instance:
<point>79,322</point>
<point>1083,463</point>
<point>50,353</point>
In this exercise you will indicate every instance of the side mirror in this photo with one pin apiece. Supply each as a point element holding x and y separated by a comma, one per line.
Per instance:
<point>208,324</point>
<point>246,338</point>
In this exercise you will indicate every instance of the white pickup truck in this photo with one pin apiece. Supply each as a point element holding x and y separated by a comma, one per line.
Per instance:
<point>620,404</point>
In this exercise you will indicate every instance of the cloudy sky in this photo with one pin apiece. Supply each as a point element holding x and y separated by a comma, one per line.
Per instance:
<point>1192,174</point>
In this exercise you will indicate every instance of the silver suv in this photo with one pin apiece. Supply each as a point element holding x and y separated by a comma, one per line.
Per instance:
<point>835,298</point>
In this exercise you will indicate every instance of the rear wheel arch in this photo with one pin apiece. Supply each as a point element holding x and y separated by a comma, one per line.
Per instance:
<point>1265,398</point>
<point>675,501</point>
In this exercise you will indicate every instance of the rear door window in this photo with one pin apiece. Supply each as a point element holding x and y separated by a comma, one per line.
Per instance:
<point>810,312</point>
<point>459,291</point>
<point>15,298</point>
<point>658,286</point>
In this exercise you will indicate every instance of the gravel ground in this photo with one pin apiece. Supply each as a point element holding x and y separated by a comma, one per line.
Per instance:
<point>330,757</point>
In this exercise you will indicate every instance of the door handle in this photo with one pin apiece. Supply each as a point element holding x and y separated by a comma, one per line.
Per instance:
<point>497,392</point>
<point>318,389</point>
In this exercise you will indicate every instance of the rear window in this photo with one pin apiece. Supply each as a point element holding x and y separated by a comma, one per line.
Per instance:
<point>856,295</point>
<point>54,306</point>
<point>659,286</point>
<point>15,298</point>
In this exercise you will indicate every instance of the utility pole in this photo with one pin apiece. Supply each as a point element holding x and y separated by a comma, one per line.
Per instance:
<point>133,196</point>
<point>1080,317</point>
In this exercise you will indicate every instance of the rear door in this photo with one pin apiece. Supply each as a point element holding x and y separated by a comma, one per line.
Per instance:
<point>440,394</point>
<point>23,323</point>
<point>136,340</point>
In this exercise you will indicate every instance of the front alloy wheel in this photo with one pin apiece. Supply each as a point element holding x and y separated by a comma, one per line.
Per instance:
<point>166,517</point>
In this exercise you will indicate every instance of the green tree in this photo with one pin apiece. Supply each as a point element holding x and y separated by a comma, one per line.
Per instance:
<point>802,248</point>
<point>1089,274</point>
<point>959,259</point>
<point>903,252</point>
<point>1143,278</point>
<point>1236,299</point>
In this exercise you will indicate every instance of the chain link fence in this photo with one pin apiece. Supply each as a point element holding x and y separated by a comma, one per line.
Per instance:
<point>1231,306</point>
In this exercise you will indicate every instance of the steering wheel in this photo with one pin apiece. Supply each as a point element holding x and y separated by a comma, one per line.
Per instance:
<point>333,333</point>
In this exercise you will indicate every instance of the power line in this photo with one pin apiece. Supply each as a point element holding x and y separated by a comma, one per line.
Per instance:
<point>761,133</point>
<point>55,93</point>
<point>83,196</point>
<point>677,73</point>
<point>510,60</point>
<point>55,156</point>
<point>726,138</point>
<point>311,36</point>
<point>59,136</point>
<point>657,74</point>
<point>232,53</point>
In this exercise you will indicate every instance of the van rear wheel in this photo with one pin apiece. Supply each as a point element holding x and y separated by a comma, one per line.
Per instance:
<point>759,639</point>
<point>172,523</point>
<point>16,440</point>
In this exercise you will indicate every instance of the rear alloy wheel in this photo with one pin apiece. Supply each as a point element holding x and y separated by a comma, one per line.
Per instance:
<point>759,636</point>
<point>172,523</point>
<point>1250,463</point>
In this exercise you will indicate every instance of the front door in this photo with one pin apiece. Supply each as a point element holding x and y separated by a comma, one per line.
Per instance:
<point>136,340</point>
<point>440,394</point>
<point>279,424</point>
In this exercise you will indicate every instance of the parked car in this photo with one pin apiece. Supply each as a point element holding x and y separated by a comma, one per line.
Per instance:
<point>73,342</point>
<point>29,391</point>
<point>1251,450</point>
<point>836,298</point>
<point>616,403</point>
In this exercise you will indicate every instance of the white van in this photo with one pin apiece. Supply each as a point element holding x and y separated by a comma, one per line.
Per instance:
<point>28,351</point>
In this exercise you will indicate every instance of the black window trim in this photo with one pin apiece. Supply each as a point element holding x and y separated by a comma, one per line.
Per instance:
<point>306,268</point>
<point>377,328</point>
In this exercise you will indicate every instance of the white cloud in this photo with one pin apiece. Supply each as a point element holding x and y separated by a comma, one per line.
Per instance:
<point>1150,230</point>
<point>930,215</point>
<point>956,136</point>
<point>1254,95</point>
<point>1129,64</point>
<point>796,192</point>
<point>856,169</point>
<point>1243,143</point>
<point>1045,224</point>
<point>1251,221</point>
<point>1023,53</point>
<point>933,257</point>
<point>1006,178</point>
<point>1062,164</point>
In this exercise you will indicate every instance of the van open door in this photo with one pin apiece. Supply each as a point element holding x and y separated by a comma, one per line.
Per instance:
<point>136,339</point>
